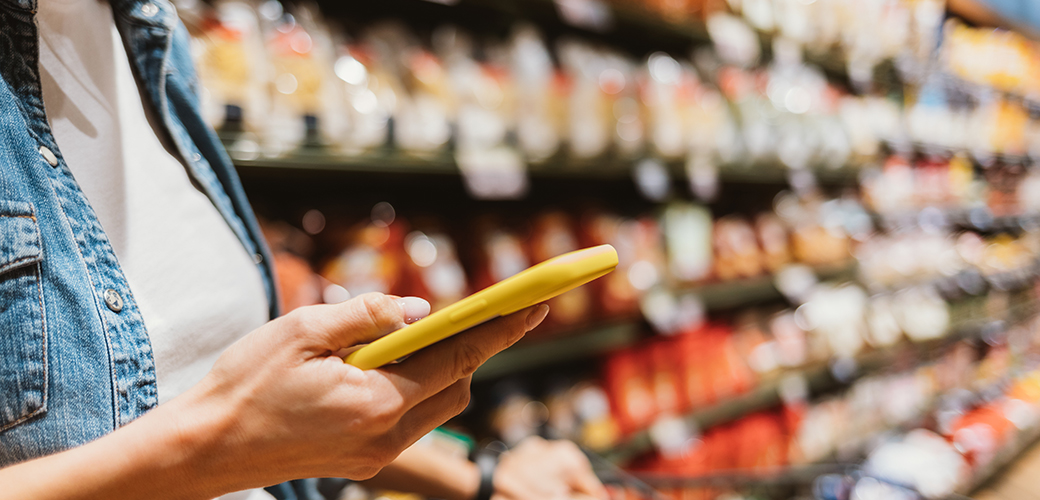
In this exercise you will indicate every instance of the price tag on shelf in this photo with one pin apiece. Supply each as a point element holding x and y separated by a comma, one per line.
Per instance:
<point>652,179</point>
<point>661,309</point>
<point>802,180</point>
<point>796,282</point>
<point>589,14</point>
<point>493,174</point>
<point>844,368</point>
<point>673,436</point>
<point>793,389</point>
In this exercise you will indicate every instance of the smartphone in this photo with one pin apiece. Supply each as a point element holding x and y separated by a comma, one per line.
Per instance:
<point>536,284</point>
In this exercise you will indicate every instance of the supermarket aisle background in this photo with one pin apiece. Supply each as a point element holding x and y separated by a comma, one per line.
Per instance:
<point>827,215</point>
<point>1020,481</point>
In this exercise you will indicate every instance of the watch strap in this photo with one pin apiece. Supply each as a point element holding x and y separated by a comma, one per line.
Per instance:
<point>486,464</point>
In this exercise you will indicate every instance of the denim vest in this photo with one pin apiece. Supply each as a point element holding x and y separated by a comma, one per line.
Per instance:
<point>75,359</point>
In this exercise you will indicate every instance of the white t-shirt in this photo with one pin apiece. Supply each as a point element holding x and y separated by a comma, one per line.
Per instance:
<point>196,285</point>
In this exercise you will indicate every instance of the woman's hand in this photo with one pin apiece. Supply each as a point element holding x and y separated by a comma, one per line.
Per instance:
<point>537,469</point>
<point>278,405</point>
<point>534,470</point>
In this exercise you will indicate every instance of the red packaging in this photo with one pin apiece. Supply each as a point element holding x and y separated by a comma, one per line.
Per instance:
<point>763,442</point>
<point>665,363</point>
<point>979,433</point>
<point>693,347</point>
<point>728,374</point>
<point>721,441</point>
<point>628,382</point>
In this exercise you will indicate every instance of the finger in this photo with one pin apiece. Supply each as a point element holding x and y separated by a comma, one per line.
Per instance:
<point>359,320</point>
<point>434,411</point>
<point>430,370</point>
<point>412,308</point>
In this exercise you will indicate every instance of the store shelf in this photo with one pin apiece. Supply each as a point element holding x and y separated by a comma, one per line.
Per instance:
<point>319,160</point>
<point>980,219</point>
<point>729,294</point>
<point>442,164</point>
<point>969,317</point>
<point>800,475</point>
<point>969,282</point>
<point>804,474</point>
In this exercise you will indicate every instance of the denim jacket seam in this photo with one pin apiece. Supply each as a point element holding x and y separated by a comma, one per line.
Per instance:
<point>43,324</point>
<point>103,249</point>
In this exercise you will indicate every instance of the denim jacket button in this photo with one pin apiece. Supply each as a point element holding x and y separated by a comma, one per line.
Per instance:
<point>48,155</point>
<point>149,9</point>
<point>113,300</point>
<point>257,258</point>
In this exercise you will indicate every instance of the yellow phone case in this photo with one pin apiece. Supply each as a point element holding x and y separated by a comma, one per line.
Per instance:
<point>529,287</point>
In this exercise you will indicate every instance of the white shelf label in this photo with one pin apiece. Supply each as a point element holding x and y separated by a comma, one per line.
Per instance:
<point>493,174</point>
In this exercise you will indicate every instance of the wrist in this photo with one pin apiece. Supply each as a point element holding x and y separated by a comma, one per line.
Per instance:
<point>469,482</point>
<point>203,436</point>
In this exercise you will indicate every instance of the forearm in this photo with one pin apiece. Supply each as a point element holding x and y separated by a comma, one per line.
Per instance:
<point>277,406</point>
<point>424,470</point>
<point>174,452</point>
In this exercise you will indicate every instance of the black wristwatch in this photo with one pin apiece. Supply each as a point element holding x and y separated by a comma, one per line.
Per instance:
<point>487,461</point>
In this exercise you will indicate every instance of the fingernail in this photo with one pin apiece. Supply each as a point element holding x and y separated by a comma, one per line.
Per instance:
<point>536,316</point>
<point>413,308</point>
